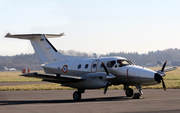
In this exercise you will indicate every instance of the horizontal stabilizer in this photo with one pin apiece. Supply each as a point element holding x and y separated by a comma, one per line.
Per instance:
<point>53,77</point>
<point>30,36</point>
<point>44,50</point>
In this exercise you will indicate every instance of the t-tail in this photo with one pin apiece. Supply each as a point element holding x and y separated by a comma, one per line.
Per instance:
<point>45,51</point>
<point>5,68</point>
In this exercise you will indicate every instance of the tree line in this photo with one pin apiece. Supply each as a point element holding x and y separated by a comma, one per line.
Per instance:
<point>30,60</point>
<point>151,56</point>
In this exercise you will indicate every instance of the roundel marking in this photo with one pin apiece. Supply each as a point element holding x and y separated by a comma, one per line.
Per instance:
<point>65,68</point>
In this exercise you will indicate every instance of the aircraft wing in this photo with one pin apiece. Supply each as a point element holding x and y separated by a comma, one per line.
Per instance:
<point>54,77</point>
<point>168,69</point>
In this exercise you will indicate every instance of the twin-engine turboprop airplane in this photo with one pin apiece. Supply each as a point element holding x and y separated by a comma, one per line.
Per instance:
<point>89,73</point>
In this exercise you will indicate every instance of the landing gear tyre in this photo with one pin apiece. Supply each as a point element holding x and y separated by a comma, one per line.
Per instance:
<point>136,96</point>
<point>77,96</point>
<point>129,92</point>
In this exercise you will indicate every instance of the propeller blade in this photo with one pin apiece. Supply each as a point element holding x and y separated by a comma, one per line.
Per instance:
<point>107,85</point>
<point>164,87</point>
<point>162,70</point>
<point>105,68</point>
<point>159,78</point>
<point>105,90</point>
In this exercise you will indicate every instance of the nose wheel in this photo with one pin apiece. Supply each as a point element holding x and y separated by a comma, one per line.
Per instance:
<point>136,96</point>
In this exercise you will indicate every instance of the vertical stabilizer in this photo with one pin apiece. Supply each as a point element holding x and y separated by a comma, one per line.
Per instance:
<point>44,50</point>
<point>5,69</point>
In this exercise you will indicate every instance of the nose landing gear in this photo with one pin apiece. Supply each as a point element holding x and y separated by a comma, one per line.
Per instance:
<point>129,91</point>
<point>138,95</point>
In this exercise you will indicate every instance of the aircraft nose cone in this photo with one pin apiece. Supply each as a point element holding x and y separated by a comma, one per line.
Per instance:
<point>158,77</point>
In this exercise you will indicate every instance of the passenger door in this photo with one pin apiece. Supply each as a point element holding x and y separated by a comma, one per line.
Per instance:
<point>94,66</point>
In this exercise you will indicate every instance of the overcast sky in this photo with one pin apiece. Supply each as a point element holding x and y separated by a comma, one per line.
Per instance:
<point>97,26</point>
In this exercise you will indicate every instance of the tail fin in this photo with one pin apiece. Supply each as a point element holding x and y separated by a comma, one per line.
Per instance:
<point>45,51</point>
<point>5,68</point>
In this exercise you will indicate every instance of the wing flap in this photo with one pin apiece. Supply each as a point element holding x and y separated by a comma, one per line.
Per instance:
<point>54,77</point>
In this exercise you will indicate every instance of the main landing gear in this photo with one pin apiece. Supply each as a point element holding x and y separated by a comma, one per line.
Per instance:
<point>130,92</point>
<point>77,94</point>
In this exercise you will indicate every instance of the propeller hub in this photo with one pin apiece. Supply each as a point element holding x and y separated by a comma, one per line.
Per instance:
<point>158,77</point>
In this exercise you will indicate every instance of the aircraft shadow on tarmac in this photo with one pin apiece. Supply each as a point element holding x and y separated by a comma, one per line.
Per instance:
<point>9,102</point>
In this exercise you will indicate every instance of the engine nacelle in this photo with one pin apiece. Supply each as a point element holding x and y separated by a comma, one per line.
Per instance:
<point>91,81</point>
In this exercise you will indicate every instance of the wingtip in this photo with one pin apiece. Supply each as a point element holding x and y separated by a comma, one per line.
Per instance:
<point>8,34</point>
<point>62,34</point>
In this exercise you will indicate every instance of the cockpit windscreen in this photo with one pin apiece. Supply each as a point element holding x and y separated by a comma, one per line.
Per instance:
<point>118,63</point>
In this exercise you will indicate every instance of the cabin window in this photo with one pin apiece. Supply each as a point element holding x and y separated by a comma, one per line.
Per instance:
<point>79,66</point>
<point>86,66</point>
<point>110,64</point>
<point>94,66</point>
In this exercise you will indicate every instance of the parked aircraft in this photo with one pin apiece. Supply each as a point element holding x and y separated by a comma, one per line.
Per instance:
<point>9,69</point>
<point>89,73</point>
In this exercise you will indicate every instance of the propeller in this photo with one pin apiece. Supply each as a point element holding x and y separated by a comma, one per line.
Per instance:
<point>162,70</point>
<point>105,68</point>
<point>164,87</point>
<point>159,78</point>
<point>108,83</point>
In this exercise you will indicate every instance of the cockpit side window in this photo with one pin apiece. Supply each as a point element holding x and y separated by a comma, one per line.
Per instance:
<point>110,64</point>
<point>131,62</point>
<point>123,63</point>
